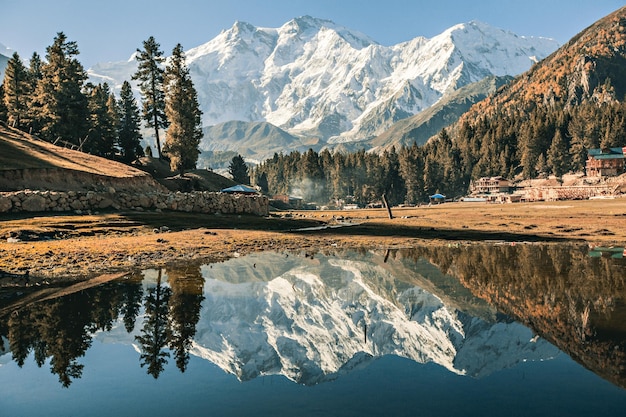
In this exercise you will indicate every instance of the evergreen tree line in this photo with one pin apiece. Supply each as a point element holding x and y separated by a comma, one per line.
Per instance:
<point>526,144</point>
<point>51,99</point>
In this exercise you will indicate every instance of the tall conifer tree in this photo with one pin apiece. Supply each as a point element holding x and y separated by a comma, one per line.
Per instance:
<point>239,170</point>
<point>33,108</point>
<point>183,113</point>
<point>16,91</point>
<point>103,122</point>
<point>558,154</point>
<point>129,136</point>
<point>59,97</point>
<point>150,76</point>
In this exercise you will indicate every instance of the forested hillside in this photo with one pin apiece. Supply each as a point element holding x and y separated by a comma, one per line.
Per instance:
<point>545,120</point>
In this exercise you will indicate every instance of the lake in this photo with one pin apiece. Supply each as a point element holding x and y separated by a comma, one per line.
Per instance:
<point>468,330</point>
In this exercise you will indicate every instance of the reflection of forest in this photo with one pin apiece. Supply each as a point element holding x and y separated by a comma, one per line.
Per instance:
<point>61,329</point>
<point>573,300</point>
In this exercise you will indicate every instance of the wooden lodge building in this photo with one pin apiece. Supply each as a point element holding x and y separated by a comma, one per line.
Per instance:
<point>606,162</point>
<point>492,190</point>
<point>490,185</point>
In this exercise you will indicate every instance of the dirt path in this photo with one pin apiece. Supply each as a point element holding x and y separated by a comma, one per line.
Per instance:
<point>70,247</point>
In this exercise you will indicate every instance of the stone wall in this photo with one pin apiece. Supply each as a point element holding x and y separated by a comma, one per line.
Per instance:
<point>566,192</point>
<point>86,201</point>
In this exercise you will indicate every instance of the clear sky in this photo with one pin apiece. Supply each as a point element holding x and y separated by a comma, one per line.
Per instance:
<point>111,30</point>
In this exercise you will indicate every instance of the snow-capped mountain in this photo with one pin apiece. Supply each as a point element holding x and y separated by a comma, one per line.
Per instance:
<point>312,77</point>
<point>312,319</point>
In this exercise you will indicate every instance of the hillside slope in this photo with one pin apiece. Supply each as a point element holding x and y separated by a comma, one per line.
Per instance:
<point>590,67</point>
<point>29,163</point>
<point>256,140</point>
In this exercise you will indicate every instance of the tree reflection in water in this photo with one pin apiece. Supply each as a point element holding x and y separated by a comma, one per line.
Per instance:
<point>171,317</point>
<point>155,332</point>
<point>575,301</point>
<point>61,329</point>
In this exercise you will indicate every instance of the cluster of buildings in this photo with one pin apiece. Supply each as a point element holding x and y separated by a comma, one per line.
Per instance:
<point>600,163</point>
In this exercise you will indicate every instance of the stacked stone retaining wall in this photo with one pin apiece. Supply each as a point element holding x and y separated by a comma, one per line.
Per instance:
<point>90,201</point>
<point>566,192</point>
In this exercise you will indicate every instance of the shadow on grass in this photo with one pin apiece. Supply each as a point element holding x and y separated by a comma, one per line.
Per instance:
<point>177,221</point>
<point>432,233</point>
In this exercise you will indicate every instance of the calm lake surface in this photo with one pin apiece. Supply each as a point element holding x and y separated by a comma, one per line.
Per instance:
<point>467,330</point>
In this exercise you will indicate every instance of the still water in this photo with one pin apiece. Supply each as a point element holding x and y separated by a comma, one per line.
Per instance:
<point>475,330</point>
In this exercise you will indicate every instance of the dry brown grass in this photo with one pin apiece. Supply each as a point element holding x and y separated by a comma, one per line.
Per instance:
<point>71,246</point>
<point>22,151</point>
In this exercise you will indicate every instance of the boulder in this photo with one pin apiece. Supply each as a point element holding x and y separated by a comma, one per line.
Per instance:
<point>5,204</point>
<point>33,203</point>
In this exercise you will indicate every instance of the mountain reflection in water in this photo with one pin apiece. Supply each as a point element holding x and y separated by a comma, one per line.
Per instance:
<point>472,309</point>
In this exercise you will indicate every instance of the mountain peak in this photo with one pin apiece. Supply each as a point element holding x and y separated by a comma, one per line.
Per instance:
<point>308,26</point>
<point>307,21</point>
<point>241,26</point>
<point>326,83</point>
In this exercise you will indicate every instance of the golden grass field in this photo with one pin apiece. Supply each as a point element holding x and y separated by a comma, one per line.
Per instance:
<point>71,247</point>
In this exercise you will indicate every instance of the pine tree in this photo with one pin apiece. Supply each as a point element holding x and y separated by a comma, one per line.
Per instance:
<point>183,113</point>
<point>338,179</point>
<point>557,159</point>
<point>393,186</point>
<point>239,170</point>
<point>261,182</point>
<point>33,108</point>
<point>102,135</point>
<point>16,91</point>
<point>59,96</point>
<point>411,164</point>
<point>150,76</point>
<point>129,136</point>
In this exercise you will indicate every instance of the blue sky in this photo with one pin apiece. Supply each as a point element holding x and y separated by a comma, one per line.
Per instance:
<point>111,30</point>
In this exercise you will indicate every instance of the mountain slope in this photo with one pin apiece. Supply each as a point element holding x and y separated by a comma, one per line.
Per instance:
<point>575,73</point>
<point>314,78</point>
<point>544,122</point>
<point>420,127</point>
<point>256,140</point>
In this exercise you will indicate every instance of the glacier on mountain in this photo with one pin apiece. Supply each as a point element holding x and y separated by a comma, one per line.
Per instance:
<point>314,78</point>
